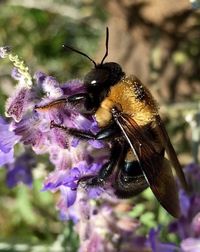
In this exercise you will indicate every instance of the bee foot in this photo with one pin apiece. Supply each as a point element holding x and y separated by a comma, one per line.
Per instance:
<point>90,181</point>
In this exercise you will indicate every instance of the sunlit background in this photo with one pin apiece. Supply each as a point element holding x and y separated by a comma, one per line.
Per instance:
<point>158,41</point>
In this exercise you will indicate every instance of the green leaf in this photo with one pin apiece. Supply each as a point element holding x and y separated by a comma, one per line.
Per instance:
<point>148,219</point>
<point>137,210</point>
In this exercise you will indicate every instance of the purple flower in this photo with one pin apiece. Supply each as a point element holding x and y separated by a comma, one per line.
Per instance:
<point>73,87</point>
<point>73,159</point>
<point>32,131</point>
<point>196,225</point>
<point>49,85</point>
<point>7,137</point>
<point>104,225</point>
<point>16,74</point>
<point>7,141</point>
<point>6,158</point>
<point>188,226</point>
<point>65,204</point>
<point>191,245</point>
<point>158,246</point>
<point>18,104</point>
<point>66,180</point>
<point>21,170</point>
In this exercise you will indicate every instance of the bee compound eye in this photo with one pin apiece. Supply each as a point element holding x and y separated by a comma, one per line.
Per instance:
<point>97,77</point>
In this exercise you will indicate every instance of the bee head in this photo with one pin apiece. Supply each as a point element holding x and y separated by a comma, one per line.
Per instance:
<point>103,75</point>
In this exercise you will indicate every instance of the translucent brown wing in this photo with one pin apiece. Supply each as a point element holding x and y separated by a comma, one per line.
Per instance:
<point>154,167</point>
<point>170,151</point>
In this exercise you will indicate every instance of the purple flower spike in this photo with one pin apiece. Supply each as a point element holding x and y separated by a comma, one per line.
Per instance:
<point>73,159</point>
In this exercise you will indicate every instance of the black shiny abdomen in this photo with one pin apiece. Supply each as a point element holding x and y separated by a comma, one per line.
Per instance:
<point>130,180</point>
<point>131,169</point>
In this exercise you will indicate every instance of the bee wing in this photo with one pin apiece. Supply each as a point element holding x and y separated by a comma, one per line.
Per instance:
<point>154,167</point>
<point>170,151</point>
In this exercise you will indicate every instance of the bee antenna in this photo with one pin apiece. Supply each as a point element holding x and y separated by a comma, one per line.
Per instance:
<point>77,51</point>
<point>107,38</point>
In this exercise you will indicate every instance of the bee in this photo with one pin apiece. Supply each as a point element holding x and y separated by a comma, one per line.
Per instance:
<point>128,118</point>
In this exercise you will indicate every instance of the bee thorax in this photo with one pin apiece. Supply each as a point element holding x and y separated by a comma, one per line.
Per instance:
<point>103,115</point>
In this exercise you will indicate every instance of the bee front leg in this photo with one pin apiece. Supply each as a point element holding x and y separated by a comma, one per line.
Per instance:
<point>83,98</point>
<point>104,134</point>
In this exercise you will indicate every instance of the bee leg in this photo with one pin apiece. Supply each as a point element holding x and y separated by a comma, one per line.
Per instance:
<point>106,169</point>
<point>116,149</point>
<point>105,133</point>
<point>73,99</point>
<point>85,98</point>
<point>52,104</point>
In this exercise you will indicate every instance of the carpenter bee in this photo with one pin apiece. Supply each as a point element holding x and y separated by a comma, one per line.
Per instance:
<point>128,118</point>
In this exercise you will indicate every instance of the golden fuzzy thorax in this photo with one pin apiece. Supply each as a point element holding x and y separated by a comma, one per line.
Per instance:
<point>130,97</point>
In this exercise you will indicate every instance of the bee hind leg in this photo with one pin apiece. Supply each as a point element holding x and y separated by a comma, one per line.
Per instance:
<point>106,170</point>
<point>107,133</point>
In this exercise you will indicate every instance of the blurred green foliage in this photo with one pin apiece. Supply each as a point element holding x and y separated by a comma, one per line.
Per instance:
<point>38,35</point>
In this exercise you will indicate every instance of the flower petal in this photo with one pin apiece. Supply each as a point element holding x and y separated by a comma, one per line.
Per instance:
<point>17,105</point>
<point>191,245</point>
<point>6,158</point>
<point>7,138</point>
